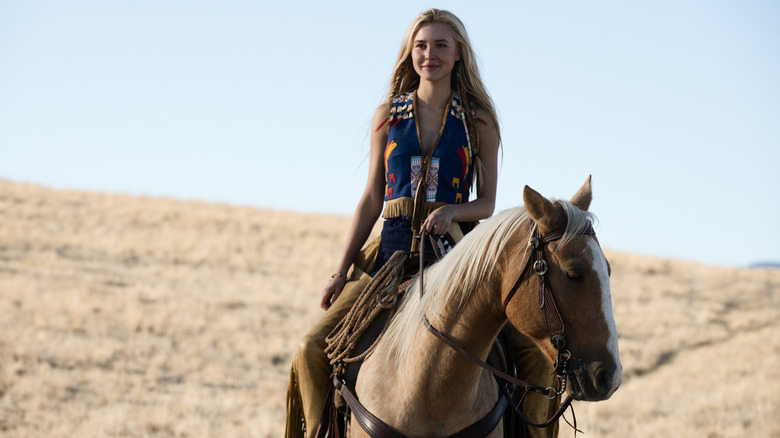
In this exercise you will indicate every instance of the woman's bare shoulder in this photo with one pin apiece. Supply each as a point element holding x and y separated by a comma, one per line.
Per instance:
<point>489,138</point>
<point>383,110</point>
<point>484,119</point>
<point>380,116</point>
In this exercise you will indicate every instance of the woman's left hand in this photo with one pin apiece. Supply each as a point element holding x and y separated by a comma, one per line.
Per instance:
<point>438,222</point>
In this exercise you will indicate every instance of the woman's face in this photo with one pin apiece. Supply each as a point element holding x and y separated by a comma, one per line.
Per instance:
<point>434,52</point>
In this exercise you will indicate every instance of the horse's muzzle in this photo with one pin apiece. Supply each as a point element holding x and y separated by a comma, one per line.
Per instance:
<point>595,381</point>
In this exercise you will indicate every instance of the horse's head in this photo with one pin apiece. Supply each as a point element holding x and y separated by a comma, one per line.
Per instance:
<point>577,276</point>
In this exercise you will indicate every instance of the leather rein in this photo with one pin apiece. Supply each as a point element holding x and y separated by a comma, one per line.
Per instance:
<point>555,326</point>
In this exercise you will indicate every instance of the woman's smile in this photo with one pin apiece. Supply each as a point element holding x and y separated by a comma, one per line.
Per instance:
<point>435,52</point>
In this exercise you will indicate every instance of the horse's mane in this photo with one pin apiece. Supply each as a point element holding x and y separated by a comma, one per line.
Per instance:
<point>463,270</point>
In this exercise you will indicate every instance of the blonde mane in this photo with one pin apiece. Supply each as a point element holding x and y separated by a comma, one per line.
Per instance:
<point>458,275</point>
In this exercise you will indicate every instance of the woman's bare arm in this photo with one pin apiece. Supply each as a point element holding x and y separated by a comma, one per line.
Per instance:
<point>368,209</point>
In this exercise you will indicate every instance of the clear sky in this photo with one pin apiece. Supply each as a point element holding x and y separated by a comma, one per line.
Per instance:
<point>672,106</point>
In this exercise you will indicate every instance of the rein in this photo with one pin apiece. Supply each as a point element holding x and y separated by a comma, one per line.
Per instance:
<point>555,325</point>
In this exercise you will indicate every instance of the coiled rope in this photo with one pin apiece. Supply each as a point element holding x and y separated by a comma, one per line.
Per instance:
<point>380,294</point>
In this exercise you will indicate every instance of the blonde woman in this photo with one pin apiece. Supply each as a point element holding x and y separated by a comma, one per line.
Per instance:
<point>434,141</point>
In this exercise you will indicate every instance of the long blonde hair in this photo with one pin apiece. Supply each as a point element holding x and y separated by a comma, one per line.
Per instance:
<point>465,75</point>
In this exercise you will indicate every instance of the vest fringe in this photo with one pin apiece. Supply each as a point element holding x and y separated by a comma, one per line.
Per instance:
<point>405,207</point>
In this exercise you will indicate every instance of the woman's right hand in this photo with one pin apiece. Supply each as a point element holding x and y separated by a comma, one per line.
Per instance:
<point>332,291</point>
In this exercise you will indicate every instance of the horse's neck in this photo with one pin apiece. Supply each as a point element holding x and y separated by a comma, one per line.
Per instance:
<point>435,391</point>
<point>435,386</point>
<point>442,371</point>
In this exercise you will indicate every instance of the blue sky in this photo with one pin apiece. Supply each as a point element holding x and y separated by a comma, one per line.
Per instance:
<point>672,106</point>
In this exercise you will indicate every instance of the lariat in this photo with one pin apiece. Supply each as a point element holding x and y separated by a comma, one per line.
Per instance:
<point>381,294</point>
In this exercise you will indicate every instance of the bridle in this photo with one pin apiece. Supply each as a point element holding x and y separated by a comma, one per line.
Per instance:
<point>555,326</point>
<point>538,265</point>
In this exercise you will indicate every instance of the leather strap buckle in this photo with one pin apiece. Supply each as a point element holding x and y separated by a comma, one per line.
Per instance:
<point>540,267</point>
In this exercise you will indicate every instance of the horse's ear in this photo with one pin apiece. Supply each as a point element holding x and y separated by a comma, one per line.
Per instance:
<point>547,216</point>
<point>584,195</point>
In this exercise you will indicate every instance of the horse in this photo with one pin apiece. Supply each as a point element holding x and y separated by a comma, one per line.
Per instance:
<point>420,386</point>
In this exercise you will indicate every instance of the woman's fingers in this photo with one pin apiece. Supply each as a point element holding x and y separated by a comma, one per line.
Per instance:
<point>325,302</point>
<point>435,225</point>
<point>332,292</point>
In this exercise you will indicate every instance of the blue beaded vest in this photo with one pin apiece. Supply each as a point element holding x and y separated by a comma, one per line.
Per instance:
<point>413,178</point>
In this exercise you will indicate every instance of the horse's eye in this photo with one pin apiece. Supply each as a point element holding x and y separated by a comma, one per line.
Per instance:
<point>576,277</point>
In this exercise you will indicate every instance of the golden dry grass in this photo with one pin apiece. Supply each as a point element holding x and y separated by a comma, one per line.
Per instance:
<point>145,317</point>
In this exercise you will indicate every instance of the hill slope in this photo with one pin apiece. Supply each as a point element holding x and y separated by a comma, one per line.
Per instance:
<point>135,316</point>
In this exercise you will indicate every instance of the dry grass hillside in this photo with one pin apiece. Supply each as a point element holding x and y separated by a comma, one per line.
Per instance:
<point>141,317</point>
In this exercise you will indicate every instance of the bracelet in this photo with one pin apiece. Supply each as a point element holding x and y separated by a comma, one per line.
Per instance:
<point>338,274</point>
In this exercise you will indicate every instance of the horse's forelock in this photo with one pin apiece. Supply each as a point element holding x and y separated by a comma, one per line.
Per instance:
<point>577,221</point>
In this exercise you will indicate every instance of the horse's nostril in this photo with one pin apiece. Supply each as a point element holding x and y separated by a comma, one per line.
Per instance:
<point>603,380</point>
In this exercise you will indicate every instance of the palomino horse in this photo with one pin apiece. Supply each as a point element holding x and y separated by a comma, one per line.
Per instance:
<point>419,386</point>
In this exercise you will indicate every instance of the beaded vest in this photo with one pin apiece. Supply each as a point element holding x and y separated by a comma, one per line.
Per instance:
<point>430,181</point>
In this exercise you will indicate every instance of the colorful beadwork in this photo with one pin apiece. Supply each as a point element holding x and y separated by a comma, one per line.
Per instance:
<point>450,167</point>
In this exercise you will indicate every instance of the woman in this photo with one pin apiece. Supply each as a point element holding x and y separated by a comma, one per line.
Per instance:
<point>434,136</point>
